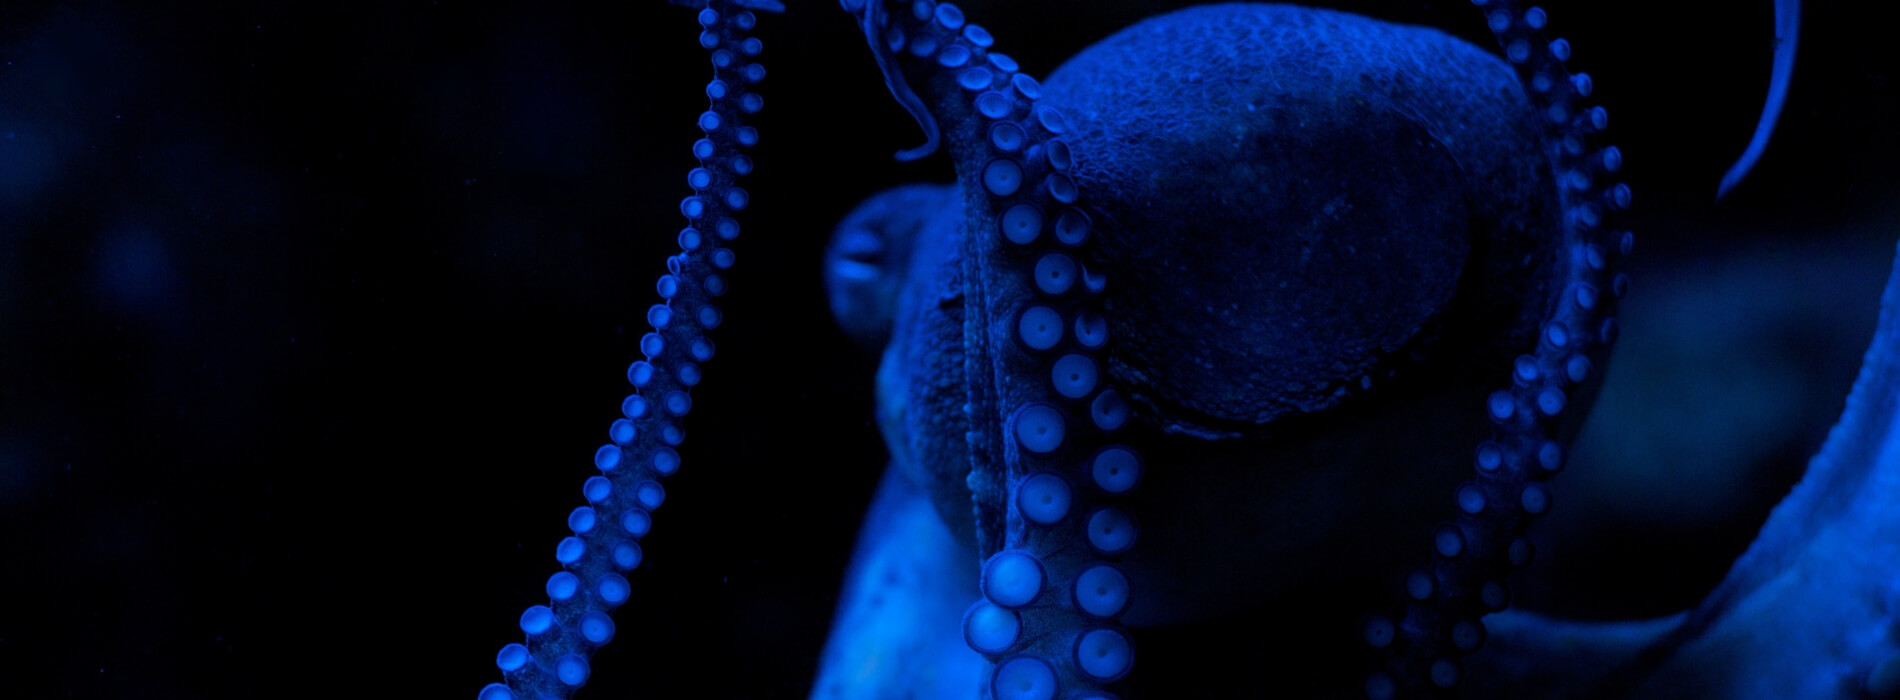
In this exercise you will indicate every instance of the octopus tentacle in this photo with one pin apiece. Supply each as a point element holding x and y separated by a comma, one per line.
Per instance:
<point>641,452</point>
<point>1787,31</point>
<point>873,20</point>
<point>1053,594</point>
<point>1439,622</point>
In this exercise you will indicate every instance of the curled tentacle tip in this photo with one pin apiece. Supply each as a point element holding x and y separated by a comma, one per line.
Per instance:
<point>931,138</point>
<point>869,13</point>
<point>1787,31</point>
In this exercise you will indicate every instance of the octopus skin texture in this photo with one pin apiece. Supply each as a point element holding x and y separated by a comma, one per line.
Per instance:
<point>1171,362</point>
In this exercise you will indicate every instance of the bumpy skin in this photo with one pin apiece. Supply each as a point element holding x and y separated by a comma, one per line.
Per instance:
<point>1343,195</point>
<point>1324,232</point>
<point>1293,308</point>
<point>1220,326</point>
<point>1320,233</point>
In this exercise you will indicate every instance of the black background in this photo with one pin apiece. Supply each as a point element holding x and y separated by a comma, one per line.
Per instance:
<point>313,314</point>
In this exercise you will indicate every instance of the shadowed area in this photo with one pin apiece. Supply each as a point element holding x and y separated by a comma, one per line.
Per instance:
<point>1297,197</point>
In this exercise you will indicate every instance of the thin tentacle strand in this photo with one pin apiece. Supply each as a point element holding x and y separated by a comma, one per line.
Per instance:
<point>1787,34</point>
<point>605,547</point>
<point>1424,640</point>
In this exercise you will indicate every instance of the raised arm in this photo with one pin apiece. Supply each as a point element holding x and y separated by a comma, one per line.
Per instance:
<point>641,449</point>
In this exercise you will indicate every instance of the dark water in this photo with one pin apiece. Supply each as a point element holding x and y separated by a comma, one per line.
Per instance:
<point>311,317</point>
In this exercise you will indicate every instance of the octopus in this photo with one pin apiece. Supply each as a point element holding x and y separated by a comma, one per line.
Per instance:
<point>1240,355</point>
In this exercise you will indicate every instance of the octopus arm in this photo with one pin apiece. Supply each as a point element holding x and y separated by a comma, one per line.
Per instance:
<point>1787,30</point>
<point>868,15</point>
<point>1812,609</point>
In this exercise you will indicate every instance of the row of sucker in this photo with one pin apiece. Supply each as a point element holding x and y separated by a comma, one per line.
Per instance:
<point>1053,593</point>
<point>642,445</point>
<point>1425,639</point>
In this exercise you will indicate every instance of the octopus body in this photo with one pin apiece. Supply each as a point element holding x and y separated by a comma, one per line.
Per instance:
<point>1195,325</point>
<point>1328,204</point>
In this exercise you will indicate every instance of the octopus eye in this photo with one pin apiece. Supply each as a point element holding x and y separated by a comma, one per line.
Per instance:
<point>860,282</point>
<point>867,261</point>
<point>860,255</point>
